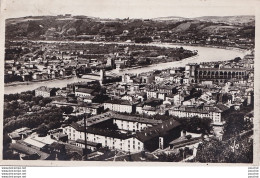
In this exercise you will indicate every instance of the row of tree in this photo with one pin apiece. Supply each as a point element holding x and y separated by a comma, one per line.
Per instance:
<point>26,110</point>
<point>216,151</point>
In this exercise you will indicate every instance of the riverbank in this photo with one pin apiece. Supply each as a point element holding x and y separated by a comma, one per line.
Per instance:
<point>156,64</point>
<point>141,44</point>
<point>123,42</point>
<point>35,81</point>
<point>211,46</point>
<point>205,54</point>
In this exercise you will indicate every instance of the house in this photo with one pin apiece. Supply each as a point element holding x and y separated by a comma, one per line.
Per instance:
<point>60,137</point>
<point>84,92</point>
<point>88,99</point>
<point>63,93</point>
<point>37,76</point>
<point>147,78</point>
<point>215,113</point>
<point>152,94</point>
<point>27,152</point>
<point>133,123</point>
<point>160,135</point>
<point>107,138</point>
<point>45,91</point>
<point>167,89</point>
<point>175,99</point>
<point>122,106</point>
<point>57,148</point>
<point>14,136</point>
<point>90,145</point>
<point>185,141</point>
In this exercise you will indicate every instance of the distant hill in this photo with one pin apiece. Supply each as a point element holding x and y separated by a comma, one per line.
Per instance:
<point>232,20</point>
<point>67,26</point>
<point>172,18</point>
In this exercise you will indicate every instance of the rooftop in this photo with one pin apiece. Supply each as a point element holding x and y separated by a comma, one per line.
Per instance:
<point>88,142</point>
<point>158,130</point>
<point>119,101</point>
<point>44,88</point>
<point>85,90</point>
<point>98,131</point>
<point>28,150</point>
<point>136,119</point>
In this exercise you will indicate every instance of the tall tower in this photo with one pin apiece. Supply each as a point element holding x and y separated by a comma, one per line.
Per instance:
<point>102,76</point>
<point>192,70</point>
<point>249,98</point>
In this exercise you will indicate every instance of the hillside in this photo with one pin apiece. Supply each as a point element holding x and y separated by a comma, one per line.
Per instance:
<point>84,27</point>
<point>232,20</point>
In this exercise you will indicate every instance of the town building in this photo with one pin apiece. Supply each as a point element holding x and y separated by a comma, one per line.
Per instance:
<point>215,113</point>
<point>44,91</point>
<point>122,106</point>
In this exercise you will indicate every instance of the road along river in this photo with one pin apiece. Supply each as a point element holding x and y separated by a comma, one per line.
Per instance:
<point>205,54</point>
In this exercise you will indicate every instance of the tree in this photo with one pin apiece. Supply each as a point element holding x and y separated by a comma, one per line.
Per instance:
<point>143,39</point>
<point>8,154</point>
<point>67,109</point>
<point>42,130</point>
<point>164,157</point>
<point>45,101</point>
<point>196,124</point>
<point>53,125</point>
<point>237,59</point>
<point>234,125</point>
<point>233,151</point>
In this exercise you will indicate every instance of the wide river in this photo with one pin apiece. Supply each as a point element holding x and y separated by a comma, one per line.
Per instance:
<point>205,54</point>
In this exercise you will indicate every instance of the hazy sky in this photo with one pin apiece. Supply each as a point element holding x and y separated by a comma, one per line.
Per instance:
<point>128,8</point>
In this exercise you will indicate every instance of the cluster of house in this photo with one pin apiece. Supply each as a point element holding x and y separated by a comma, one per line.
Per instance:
<point>205,90</point>
<point>122,112</point>
<point>218,39</point>
<point>39,64</point>
<point>32,147</point>
<point>133,134</point>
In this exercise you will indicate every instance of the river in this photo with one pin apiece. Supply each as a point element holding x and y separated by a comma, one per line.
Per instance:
<point>205,54</point>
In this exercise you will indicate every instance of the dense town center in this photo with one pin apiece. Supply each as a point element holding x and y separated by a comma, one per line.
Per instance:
<point>174,114</point>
